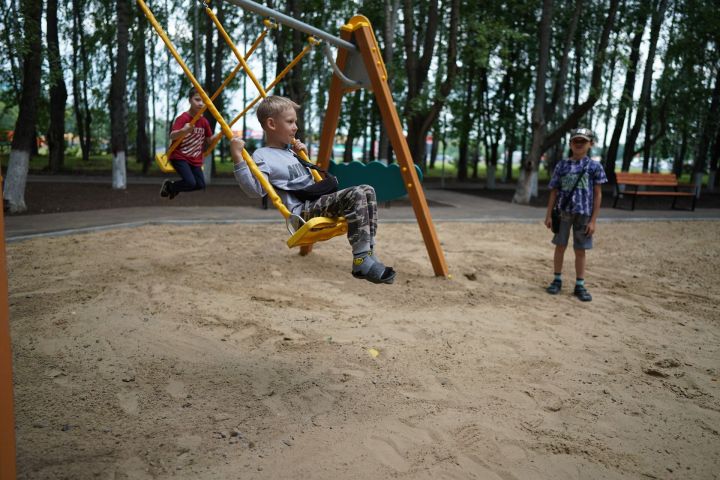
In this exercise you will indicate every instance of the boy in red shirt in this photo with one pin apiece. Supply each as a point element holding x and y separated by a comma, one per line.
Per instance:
<point>187,158</point>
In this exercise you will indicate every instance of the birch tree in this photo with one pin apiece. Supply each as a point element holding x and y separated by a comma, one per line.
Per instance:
<point>24,137</point>
<point>118,99</point>
<point>58,92</point>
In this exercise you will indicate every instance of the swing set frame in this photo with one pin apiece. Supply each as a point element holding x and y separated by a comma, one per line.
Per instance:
<point>358,64</point>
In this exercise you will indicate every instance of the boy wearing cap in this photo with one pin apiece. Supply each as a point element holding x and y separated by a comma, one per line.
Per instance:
<point>576,186</point>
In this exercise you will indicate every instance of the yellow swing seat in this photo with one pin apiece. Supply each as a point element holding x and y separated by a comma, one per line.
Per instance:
<point>163,163</point>
<point>317,229</point>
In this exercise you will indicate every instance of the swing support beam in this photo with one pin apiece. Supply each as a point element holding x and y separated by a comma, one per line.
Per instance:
<point>7,416</point>
<point>360,30</point>
<point>293,23</point>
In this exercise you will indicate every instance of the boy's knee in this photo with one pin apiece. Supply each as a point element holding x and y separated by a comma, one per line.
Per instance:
<point>359,193</point>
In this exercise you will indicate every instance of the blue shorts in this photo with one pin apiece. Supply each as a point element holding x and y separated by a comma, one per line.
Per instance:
<point>578,223</point>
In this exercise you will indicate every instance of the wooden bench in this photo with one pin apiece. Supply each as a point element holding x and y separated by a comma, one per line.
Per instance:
<point>659,184</point>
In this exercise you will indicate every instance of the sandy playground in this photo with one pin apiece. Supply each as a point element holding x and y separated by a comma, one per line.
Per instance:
<point>243,360</point>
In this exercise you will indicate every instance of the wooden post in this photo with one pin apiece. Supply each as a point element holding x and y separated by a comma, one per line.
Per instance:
<point>7,418</point>
<point>365,40</point>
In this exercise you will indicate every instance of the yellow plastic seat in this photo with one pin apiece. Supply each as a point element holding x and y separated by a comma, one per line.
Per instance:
<point>163,163</point>
<point>317,229</point>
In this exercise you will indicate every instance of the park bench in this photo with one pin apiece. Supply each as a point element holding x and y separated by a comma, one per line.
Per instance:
<point>654,185</point>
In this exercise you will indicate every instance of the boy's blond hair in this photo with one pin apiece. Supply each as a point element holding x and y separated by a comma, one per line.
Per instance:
<point>272,106</point>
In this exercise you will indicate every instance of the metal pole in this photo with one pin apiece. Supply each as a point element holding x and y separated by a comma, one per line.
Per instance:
<point>294,23</point>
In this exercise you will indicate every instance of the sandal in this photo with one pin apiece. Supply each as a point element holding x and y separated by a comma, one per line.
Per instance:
<point>582,293</point>
<point>377,273</point>
<point>554,287</point>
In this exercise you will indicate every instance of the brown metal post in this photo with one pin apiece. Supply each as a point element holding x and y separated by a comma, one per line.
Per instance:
<point>365,40</point>
<point>7,417</point>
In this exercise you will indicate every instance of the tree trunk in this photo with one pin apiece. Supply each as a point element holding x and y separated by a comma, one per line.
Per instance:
<point>58,92</point>
<point>608,107</point>
<point>420,115</point>
<point>354,126</point>
<point>647,145</point>
<point>209,57</point>
<point>475,158</point>
<point>595,83</point>
<point>467,120</point>
<point>142,143</point>
<point>624,104</point>
<point>435,146</point>
<point>118,99</point>
<point>196,37</point>
<point>374,117</point>
<point>81,105</point>
<point>657,20</point>
<point>523,191</point>
<point>217,73</point>
<point>153,115</point>
<point>709,125</point>
<point>10,34</point>
<point>559,88</point>
<point>24,136</point>
<point>391,19</point>
<point>213,50</point>
<point>491,159</point>
<point>713,179</point>
<point>509,149</point>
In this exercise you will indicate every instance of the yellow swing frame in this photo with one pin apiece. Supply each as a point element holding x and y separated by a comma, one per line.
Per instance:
<point>358,64</point>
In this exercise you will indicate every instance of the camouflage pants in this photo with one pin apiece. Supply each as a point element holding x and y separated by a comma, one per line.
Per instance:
<point>359,207</point>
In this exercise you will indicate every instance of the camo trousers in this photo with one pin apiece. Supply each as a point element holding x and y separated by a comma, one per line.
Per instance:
<point>359,207</point>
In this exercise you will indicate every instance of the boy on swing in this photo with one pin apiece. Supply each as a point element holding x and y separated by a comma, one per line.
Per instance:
<point>278,161</point>
<point>187,158</point>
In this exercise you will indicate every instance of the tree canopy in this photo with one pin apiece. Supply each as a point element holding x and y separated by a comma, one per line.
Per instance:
<point>494,80</point>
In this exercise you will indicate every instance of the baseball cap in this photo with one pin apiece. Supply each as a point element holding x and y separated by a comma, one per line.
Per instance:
<point>585,133</point>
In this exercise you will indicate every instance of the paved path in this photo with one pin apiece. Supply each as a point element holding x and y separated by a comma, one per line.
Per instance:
<point>446,206</point>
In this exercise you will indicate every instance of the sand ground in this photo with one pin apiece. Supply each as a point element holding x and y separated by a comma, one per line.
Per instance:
<point>240,359</point>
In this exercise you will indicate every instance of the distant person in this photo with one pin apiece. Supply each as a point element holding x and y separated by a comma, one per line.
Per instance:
<point>187,158</point>
<point>576,186</point>
<point>279,162</point>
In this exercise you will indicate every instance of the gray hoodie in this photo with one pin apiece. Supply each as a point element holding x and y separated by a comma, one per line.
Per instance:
<point>282,170</point>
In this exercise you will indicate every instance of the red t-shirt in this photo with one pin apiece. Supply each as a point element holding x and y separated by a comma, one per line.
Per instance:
<point>191,148</point>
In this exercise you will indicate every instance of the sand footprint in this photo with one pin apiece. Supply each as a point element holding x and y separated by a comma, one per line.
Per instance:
<point>132,468</point>
<point>129,402</point>
<point>388,453</point>
<point>176,389</point>
<point>398,440</point>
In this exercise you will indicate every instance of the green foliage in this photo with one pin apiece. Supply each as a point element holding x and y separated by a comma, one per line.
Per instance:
<point>491,97</point>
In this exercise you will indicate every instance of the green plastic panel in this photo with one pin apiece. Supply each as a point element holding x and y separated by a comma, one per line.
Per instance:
<point>385,179</point>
